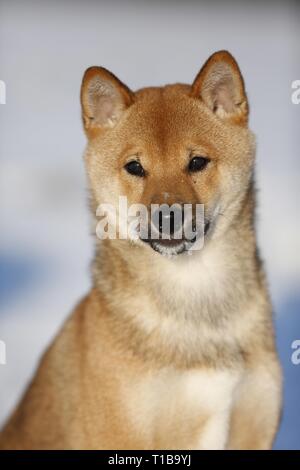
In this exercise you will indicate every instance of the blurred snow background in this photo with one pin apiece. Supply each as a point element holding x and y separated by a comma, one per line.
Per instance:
<point>46,245</point>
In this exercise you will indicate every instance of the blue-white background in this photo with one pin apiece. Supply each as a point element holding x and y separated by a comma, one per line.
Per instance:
<point>45,240</point>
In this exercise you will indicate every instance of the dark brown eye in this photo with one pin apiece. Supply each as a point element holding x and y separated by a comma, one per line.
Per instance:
<point>135,168</point>
<point>197,164</point>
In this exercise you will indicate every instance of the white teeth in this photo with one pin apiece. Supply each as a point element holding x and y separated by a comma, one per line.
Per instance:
<point>168,251</point>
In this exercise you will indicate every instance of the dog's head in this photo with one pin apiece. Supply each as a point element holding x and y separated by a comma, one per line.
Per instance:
<point>184,146</point>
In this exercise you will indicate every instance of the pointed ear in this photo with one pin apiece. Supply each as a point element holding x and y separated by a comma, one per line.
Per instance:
<point>103,99</point>
<point>220,85</point>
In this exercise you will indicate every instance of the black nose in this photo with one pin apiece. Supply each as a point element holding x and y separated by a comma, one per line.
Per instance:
<point>168,220</point>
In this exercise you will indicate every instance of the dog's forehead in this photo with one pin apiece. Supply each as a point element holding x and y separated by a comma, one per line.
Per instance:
<point>167,113</point>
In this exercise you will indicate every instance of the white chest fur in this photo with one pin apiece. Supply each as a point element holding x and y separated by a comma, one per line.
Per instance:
<point>182,409</point>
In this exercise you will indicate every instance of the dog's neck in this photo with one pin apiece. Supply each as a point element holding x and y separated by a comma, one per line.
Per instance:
<point>120,264</point>
<point>178,298</point>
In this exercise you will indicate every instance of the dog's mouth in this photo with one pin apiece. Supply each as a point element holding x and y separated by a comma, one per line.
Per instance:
<point>175,246</point>
<point>168,247</point>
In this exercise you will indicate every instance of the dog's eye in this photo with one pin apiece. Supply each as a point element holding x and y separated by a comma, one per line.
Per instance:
<point>135,168</point>
<point>197,164</point>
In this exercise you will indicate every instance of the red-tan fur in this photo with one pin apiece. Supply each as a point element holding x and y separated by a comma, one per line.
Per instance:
<point>164,353</point>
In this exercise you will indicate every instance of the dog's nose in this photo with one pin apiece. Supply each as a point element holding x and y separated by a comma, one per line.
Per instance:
<point>169,220</point>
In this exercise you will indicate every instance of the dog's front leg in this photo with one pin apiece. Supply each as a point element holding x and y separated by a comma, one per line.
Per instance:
<point>256,412</point>
<point>214,433</point>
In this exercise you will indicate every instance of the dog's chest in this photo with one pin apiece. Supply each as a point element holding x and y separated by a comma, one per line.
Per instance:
<point>182,409</point>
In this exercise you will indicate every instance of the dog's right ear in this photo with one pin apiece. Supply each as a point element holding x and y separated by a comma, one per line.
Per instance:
<point>103,99</point>
<point>220,86</point>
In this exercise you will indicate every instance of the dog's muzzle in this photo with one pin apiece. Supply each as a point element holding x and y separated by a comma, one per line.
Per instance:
<point>174,229</point>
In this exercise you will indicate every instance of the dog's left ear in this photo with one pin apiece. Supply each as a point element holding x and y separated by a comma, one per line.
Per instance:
<point>220,85</point>
<point>104,98</point>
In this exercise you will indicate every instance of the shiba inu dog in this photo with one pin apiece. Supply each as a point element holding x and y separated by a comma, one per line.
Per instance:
<point>173,347</point>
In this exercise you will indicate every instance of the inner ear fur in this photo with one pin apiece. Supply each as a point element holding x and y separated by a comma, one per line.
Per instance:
<point>220,86</point>
<point>103,99</point>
